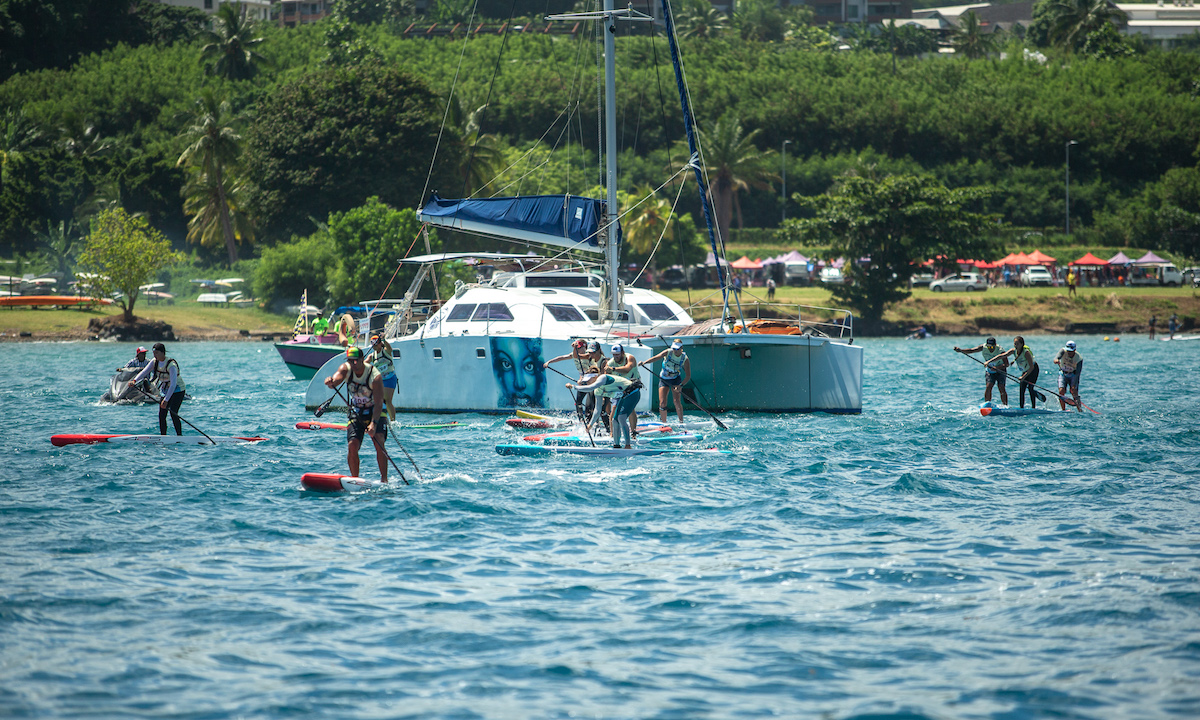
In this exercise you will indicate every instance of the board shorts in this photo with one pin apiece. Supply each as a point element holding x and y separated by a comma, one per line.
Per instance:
<point>389,381</point>
<point>356,430</point>
<point>628,404</point>
<point>1068,380</point>
<point>995,376</point>
<point>670,382</point>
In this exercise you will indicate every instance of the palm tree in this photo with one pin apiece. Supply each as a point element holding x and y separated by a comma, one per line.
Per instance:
<point>699,19</point>
<point>60,244</point>
<point>644,225</point>
<point>969,38</point>
<point>1071,21</point>
<point>481,155</point>
<point>213,153</point>
<point>733,165</point>
<point>17,136</point>
<point>760,20</point>
<point>230,45</point>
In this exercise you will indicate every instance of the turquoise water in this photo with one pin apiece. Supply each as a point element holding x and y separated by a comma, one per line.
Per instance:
<point>915,561</point>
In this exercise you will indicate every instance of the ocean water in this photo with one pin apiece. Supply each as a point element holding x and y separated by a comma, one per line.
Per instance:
<point>914,561</point>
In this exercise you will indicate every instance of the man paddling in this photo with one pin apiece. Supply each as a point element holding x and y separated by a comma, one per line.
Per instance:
<point>1070,365</point>
<point>364,391</point>
<point>625,365</point>
<point>1023,358</point>
<point>626,394</point>
<point>995,361</point>
<point>170,383</point>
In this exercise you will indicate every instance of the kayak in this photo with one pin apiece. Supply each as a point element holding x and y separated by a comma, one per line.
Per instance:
<point>90,439</point>
<point>318,425</point>
<point>993,410</point>
<point>602,451</point>
<point>336,482</point>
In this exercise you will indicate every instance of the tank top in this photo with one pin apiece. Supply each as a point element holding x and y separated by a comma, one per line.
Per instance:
<point>614,386</point>
<point>989,353</point>
<point>358,389</point>
<point>582,363</point>
<point>672,366</point>
<point>1024,360</point>
<point>162,376</point>
<point>1068,364</point>
<point>630,374</point>
<point>382,361</point>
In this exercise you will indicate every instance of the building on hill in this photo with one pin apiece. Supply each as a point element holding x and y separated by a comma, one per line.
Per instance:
<point>872,12</point>
<point>257,9</point>
<point>1164,24</point>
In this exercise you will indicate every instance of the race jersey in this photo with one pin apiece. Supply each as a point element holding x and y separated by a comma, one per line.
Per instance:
<point>1024,360</point>
<point>672,366</point>
<point>1067,364</point>
<point>991,352</point>
<point>582,363</point>
<point>630,374</point>
<point>382,361</point>
<point>358,389</point>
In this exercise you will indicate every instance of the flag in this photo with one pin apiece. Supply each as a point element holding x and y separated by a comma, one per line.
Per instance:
<point>302,318</point>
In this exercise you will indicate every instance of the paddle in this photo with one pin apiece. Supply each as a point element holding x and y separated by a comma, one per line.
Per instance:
<point>586,428</point>
<point>375,440</point>
<point>410,458</point>
<point>323,406</point>
<point>1040,396</point>
<point>1064,398</point>
<point>214,442</point>
<point>712,417</point>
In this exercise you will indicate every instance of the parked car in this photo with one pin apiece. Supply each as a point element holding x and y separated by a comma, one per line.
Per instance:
<point>795,273</point>
<point>1191,276</point>
<point>831,276</point>
<point>672,278</point>
<point>922,279</point>
<point>965,282</point>
<point>1036,275</point>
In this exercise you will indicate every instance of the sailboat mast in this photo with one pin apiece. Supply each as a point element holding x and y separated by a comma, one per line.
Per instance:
<point>612,251</point>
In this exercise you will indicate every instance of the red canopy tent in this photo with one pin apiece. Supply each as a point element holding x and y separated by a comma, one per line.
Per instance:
<point>745,263</point>
<point>1017,259</point>
<point>1090,260</point>
<point>1041,258</point>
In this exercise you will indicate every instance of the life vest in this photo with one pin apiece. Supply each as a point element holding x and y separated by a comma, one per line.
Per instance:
<point>162,376</point>
<point>614,386</point>
<point>382,361</point>
<point>672,366</point>
<point>989,353</point>
<point>630,374</point>
<point>1024,360</point>
<point>1068,365</point>
<point>358,389</point>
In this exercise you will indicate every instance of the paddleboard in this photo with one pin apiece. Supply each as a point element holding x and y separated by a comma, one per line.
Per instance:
<point>534,416</point>
<point>318,425</point>
<point>994,410</point>
<point>579,440</point>
<point>542,437</point>
<point>1180,337</point>
<point>531,424</point>
<point>335,482</point>
<point>93,439</point>
<point>602,451</point>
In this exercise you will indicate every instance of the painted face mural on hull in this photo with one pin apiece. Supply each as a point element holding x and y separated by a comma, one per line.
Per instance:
<point>520,378</point>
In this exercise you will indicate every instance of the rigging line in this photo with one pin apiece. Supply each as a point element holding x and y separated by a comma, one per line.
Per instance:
<point>491,87</point>
<point>539,141</point>
<point>446,113</point>
<point>399,265</point>
<point>666,226</point>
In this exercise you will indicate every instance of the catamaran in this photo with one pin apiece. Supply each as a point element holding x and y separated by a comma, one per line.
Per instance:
<point>483,350</point>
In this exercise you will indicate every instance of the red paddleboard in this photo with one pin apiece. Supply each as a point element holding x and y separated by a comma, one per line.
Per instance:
<point>336,482</point>
<point>92,439</point>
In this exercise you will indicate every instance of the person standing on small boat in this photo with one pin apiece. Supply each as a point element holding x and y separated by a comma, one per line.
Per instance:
<point>1070,365</point>
<point>994,364</point>
<point>1023,358</point>
<point>626,395</point>
<point>676,371</point>
<point>585,402</point>
<point>364,391</point>
<point>170,383</point>
<point>381,357</point>
<point>320,326</point>
<point>626,366</point>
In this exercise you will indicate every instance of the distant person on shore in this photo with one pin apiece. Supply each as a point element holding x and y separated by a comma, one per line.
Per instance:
<point>1153,323</point>
<point>1071,280</point>
<point>170,383</point>
<point>770,289</point>
<point>1023,358</point>
<point>1070,366</point>
<point>1173,324</point>
<point>1007,277</point>
<point>995,361</point>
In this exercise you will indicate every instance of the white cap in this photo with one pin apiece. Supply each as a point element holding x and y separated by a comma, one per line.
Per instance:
<point>676,345</point>
<point>1070,345</point>
<point>617,349</point>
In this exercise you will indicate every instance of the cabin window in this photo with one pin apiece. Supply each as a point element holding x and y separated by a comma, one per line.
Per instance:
<point>565,313</point>
<point>657,311</point>
<point>461,313</point>
<point>492,311</point>
<point>480,353</point>
<point>437,353</point>
<point>592,314</point>
<point>542,281</point>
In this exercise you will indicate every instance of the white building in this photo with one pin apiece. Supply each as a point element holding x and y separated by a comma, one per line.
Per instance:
<point>1162,23</point>
<point>256,9</point>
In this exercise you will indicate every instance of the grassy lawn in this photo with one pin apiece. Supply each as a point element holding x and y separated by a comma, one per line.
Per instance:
<point>187,319</point>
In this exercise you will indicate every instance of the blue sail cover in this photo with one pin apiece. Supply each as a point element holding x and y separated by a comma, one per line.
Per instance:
<point>562,220</point>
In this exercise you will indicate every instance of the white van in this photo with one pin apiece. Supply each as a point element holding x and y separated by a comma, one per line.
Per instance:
<point>1166,274</point>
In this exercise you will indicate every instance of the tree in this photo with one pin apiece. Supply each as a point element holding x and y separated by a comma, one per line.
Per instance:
<point>971,39</point>
<point>215,197</point>
<point>898,222</point>
<point>17,136</point>
<point>733,166</point>
<point>230,47</point>
<point>331,139</point>
<point>123,253</point>
<point>760,20</point>
<point>699,19</point>
<point>650,220</point>
<point>288,269</point>
<point>59,245</point>
<point>370,240</point>
<point>1068,23</point>
<point>482,154</point>
<point>904,41</point>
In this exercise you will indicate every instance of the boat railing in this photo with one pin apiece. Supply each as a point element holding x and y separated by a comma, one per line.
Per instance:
<point>830,322</point>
